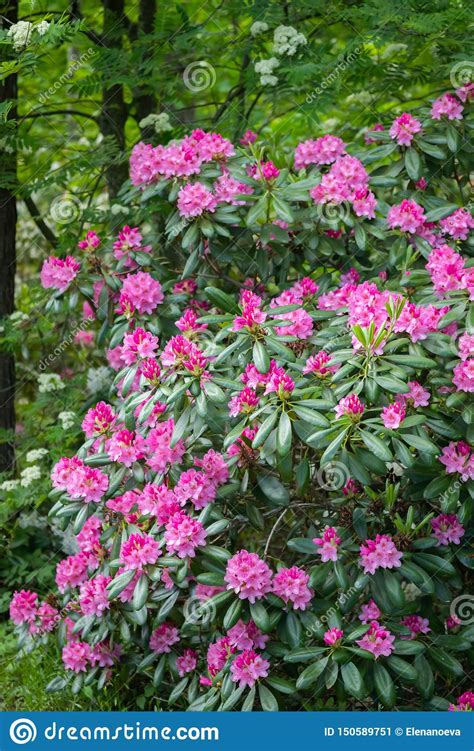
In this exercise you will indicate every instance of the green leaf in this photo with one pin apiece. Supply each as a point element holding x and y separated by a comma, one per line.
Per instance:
<point>267,700</point>
<point>310,416</point>
<point>374,444</point>
<point>221,300</point>
<point>304,655</point>
<point>402,668</point>
<point>265,429</point>
<point>261,357</point>
<point>384,686</point>
<point>284,435</point>
<point>273,489</point>
<point>420,443</point>
<point>394,385</point>
<point>140,593</point>
<point>446,663</point>
<point>352,679</point>
<point>311,674</point>
<point>333,447</point>
<point>425,678</point>
<point>413,164</point>
<point>260,616</point>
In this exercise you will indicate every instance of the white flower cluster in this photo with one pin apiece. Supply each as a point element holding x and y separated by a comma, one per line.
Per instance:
<point>36,455</point>
<point>29,475</point>
<point>67,419</point>
<point>265,68</point>
<point>18,317</point>
<point>160,123</point>
<point>49,382</point>
<point>9,485</point>
<point>286,40</point>
<point>22,31</point>
<point>259,27</point>
<point>116,209</point>
<point>98,379</point>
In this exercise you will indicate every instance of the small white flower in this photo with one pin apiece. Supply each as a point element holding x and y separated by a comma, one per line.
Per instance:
<point>36,454</point>
<point>98,379</point>
<point>49,382</point>
<point>266,68</point>
<point>116,208</point>
<point>9,484</point>
<point>21,34</point>
<point>67,419</point>
<point>259,27</point>
<point>160,122</point>
<point>42,28</point>
<point>29,475</point>
<point>286,40</point>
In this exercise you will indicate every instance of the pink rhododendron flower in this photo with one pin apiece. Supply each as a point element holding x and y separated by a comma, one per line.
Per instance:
<point>333,636</point>
<point>264,170</point>
<point>466,346</point>
<point>215,466</point>
<point>157,443</point>
<point>158,501</point>
<point>143,291</point>
<point>328,544</point>
<point>58,273</point>
<point>218,654</point>
<point>416,625</point>
<point>458,224</point>
<point>187,662</point>
<point>139,345</point>
<point>248,667</point>
<point>246,636</point>
<point>367,138</point>
<point>23,607</point>
<point>245,402</point>
<point>183,535</point>
<point>324,150</point>
<point>417,395</point>
<point>163,638</point>
<point>281,384</point>
<point>464,375</point>
<point>138,551</point>
<point>351,406</point>
<point>369,612</point>
<point>88,538</point>
<point>393,415</point>
<point>421,184</point>
<point>377,640</point>
<point>226,188</point>
<point>248,576</point>
<point>90,242</point>
<point>446,269</point>
<point>196,487</point>
<point>364,203</point>
<point>194,199</point>
<point>129,240</point>
<point>188,323</point>
<point>408,216</point>
<point>205,591</point>
<point>104,655</point>
<point>447,528</point>
<point>317,365</point>
<point>125,447</point>
<point>77,656</point>
<point>73,570</point>
<point>93,596</point>
<point>291,584</point>
<point>465,703</point>
<point>351,487</point>
<point>185,287</point>
<point>248,138</point>
<point>458,456</point>
<point>379,553</point>
<point>404,128</point>
<point>448,106</point>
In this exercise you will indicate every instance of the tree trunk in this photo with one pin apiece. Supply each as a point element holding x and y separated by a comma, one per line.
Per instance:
<point>8,216</point>
<point>114,112</point>
<point>145,101</point>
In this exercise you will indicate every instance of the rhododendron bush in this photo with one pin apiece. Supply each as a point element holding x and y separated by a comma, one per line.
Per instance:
<point>272,502</point>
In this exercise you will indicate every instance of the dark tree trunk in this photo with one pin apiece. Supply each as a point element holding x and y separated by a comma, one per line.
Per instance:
<point>114,112</point>
<point>145,101</point>
<point>8,216</point>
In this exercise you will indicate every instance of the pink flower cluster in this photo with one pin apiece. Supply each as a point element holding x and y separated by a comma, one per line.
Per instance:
<point>183,534</point>
<point>163,638</point>
<point>404,128</point>
<point>324,150</point>
<point>39,618</point>
<point>416,625</point>
<point>139,551</point>
<point>58,273</point>
<point>393,415</point>
<point>379,553</point>
<point>142,291</point>
<point>248,667</point>
<point>447,528</point>
<point>458,456</point>
<point>79,480</point>
<point>129,241</point>
<point>377,640</point>
<point>350,406</point>
<point>346,180</point>
<point>328,544</point>
<point>291,584</point>
<point>408,216</point>
<point>248,576</point>
<point>318,365</point>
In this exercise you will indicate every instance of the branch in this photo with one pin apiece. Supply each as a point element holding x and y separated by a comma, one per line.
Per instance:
<point>47,233</point>
<point>60,112</point>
